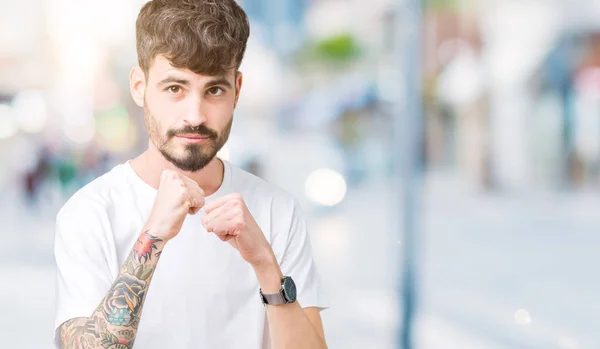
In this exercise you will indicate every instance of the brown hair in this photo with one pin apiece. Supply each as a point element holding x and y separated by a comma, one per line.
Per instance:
<point>207,37</point>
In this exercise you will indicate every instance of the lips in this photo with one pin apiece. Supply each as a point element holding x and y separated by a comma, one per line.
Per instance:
<point>193,136</point>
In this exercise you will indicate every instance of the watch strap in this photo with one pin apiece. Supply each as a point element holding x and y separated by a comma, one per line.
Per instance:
<point>274,298</point>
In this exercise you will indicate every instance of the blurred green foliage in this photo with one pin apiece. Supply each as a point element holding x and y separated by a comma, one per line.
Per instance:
<point>338,48</point>
<point>441,4</point>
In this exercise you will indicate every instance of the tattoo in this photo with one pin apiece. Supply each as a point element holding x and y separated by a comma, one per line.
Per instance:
<point>127,334</point>
<point>80,333</point>
<point>144,246</point>
<point>71,334</point>
<point>110,341</point>
<point>98,325</point>
<point>122,305</point>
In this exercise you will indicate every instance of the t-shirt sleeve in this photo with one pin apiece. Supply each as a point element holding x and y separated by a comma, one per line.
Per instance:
<point>83,272</point>
<point>298,263</point>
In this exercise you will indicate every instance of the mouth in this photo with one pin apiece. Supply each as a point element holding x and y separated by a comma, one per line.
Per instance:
<point>193,138</point>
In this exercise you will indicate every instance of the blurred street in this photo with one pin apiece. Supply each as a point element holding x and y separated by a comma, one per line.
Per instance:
<point>482,255</point>
<point>508,141</point>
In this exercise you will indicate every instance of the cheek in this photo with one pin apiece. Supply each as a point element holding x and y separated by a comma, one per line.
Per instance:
<point>161,105</point>
<point>220,114</point>
<point>165,111</point>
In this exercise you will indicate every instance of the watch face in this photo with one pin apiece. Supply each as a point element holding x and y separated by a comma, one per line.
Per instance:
<point>289,288</point>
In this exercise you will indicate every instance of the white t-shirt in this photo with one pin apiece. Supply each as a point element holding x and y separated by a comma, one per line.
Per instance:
<point>203,294</point>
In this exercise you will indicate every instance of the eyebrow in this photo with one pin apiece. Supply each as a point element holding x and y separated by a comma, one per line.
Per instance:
<point>215,82</point>
<point>218,81</point>
<point>172,79</point>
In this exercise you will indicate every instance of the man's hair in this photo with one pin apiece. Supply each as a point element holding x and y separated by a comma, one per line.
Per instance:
<point>207,37</point>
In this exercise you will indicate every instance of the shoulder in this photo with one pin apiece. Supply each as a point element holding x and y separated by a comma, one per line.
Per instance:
<point>256,190</point>
<point>96,196</point>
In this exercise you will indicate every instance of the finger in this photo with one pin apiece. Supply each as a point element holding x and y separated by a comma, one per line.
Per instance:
<point>221,201</point>
<point>224,225</point>
<point>225,212</point>
<point>190,182</point>
<point>196,199</point>
<point>192,185</point>
<point>222,231</point>
<point>219,227</point>
<point>225,238</point>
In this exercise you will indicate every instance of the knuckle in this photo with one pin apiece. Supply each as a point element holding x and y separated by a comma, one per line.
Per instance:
<point>164,175</point>
<point>170,176</point>
<point>182,197</point>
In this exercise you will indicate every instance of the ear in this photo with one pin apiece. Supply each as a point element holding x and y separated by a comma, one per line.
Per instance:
<point>238,87</point>
<point>137,85</point>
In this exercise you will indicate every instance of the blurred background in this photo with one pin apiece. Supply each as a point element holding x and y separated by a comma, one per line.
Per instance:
<point>504,234</point>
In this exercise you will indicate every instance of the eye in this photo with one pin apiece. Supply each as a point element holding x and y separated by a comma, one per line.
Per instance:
<point>215,91</point>
<point>174,89</point>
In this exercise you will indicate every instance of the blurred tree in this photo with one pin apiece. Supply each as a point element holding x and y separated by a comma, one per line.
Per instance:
<point>441,4</point>
<point>332,52</point>
<point>338,48</point>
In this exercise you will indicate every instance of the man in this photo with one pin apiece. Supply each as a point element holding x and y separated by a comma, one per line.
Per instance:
<point>216,257</point>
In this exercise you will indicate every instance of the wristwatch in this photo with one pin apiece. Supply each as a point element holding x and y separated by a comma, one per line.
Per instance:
<point>286,295</point>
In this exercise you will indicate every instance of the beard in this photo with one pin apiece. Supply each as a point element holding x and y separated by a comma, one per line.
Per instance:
<point>194,157</point>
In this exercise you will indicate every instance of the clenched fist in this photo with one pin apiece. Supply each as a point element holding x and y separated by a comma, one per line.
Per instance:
<point>177,197</point>
<point>229,219</point>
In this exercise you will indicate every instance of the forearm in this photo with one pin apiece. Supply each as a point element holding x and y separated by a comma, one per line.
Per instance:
<point>116,319</point>
<point>289,326</point>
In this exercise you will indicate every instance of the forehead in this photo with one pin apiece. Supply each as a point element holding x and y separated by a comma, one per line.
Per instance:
<point>161,68</point>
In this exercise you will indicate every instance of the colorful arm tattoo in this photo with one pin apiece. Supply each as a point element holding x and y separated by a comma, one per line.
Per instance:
<point>114,323</point>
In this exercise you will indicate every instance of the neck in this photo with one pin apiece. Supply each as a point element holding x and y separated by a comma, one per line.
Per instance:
<point>150,164</point>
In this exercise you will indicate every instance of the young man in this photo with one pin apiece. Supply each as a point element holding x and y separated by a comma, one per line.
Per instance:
<point>216,257</point>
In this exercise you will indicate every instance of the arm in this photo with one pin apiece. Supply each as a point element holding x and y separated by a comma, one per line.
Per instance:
<point>115,321</point>
<point>116,318</point>
<point>290,326</point>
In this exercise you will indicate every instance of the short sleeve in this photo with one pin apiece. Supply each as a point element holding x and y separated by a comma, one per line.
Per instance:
<point>82,253</point>
<point>298,263</point>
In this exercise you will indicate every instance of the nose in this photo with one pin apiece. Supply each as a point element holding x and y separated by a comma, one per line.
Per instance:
<point>196,112</point>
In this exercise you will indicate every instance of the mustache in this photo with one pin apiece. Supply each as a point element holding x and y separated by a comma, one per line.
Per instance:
<point>200,130</point>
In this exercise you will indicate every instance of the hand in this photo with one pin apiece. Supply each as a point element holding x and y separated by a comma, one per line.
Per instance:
<point>229,218</point>
<point>177,197</point>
